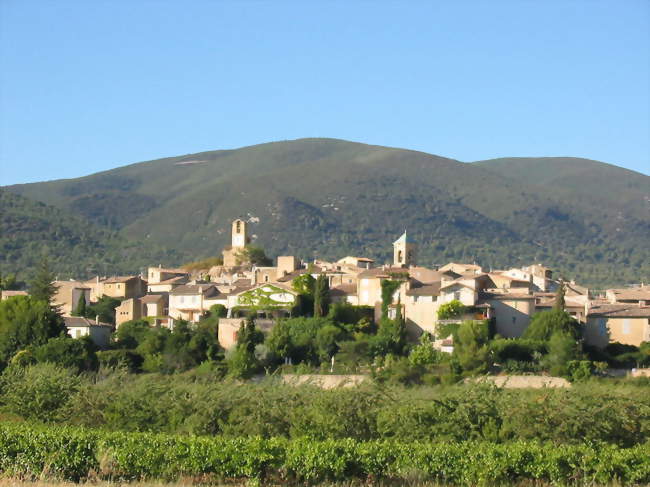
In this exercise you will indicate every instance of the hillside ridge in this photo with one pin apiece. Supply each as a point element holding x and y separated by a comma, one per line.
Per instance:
<point>321,197</point>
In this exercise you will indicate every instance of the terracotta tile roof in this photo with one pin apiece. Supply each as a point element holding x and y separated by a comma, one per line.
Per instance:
<point>380,272</point>
<point>208,290</point>
<point>505,296</point>
<point>432,289</point>
<point>174,280</point>
<point>8,294</point>
<point>632,294</point>
<point>344,290</point>
<point>120,279</point>
<point>151,298</point>
<point>620,311</point>
<point>71,321</point>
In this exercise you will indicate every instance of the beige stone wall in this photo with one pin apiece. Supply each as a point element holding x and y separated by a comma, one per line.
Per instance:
<point>227,334</point>
<point>512,317</point>
<point>286,265</point>
<point>67,295</point>
<point>130,309</point>
<point>422,312</point>
<point>600,331</point>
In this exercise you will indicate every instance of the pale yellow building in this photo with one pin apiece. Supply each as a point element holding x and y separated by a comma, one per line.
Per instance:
<point>125,287</point>
<point>628,324</point>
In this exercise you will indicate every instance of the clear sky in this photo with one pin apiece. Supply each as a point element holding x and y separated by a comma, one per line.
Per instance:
<point>91,85</point>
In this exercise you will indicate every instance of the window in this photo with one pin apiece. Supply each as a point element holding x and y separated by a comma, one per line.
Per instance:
<point>399,256</point>
<point>514,320</point>
<point>602,327</point>
<point>457,295</point>
<point>627,326</point>
<point>238,226</point>
<point>266,278</point>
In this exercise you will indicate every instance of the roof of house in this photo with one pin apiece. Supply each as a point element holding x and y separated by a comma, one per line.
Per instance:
<point>208,290</point>
<point>151,298</point>
<point>120,279</point>
<point>632,294</point>
<point>384,272</point>
<point>77,321</point>
<point>505,296</point>
<point>620,311</point>
<point>344,290</point>
<point>8,294</point>
<point>168,270</point>
<point>174,280</point>
<point>432,289</point>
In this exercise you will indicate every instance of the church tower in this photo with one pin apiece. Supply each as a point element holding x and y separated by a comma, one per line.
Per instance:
<point>239,234</point>
<point>404,251</point>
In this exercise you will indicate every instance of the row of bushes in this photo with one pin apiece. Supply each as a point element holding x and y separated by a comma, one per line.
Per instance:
<point>199,403</point>
<point>75,454</point>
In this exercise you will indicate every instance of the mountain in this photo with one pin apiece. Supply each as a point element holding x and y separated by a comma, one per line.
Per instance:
<point>32,231</point>
<point>588,220</point>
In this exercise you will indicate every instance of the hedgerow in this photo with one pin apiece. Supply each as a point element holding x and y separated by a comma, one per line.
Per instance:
<point>31,451</point>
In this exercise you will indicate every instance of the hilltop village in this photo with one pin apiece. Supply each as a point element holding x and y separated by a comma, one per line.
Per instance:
<point>507,299</point>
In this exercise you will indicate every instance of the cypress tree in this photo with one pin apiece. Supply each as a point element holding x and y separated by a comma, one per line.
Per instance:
<point>321,296</point>
<point>80,310</point>
<point>559,298</point>
<point>42,287</point>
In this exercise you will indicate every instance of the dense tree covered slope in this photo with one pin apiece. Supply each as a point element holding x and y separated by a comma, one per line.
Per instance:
<point>326,197</point>
<point>32,231</point>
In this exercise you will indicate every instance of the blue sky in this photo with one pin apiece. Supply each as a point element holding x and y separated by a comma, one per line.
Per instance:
<point>88,86</point>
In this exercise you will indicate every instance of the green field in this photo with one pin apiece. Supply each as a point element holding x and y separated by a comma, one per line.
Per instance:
<point>77,454</point>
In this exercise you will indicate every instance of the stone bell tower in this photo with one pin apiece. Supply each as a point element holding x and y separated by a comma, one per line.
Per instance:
<point>404,251</point>
<point>239,240</point>
<point>239,234</point>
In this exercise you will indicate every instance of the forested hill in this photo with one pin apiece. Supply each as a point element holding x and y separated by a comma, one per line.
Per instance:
<point>32,231</point>
<point>587,219</point>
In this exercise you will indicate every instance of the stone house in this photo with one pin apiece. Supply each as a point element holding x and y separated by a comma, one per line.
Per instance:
<point>78,327</point>
<point>125,287</point>
<point>623,323</point>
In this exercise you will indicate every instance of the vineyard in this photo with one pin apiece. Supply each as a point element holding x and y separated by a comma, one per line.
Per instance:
<point>69,453</point>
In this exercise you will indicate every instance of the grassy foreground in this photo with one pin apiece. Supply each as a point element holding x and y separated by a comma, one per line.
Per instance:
<point>66,453</point>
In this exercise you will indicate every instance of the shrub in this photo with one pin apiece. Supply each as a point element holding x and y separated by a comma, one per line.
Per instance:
<point>38,391</point>
<point>452,309</point>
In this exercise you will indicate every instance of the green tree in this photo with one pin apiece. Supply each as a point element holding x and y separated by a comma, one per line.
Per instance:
<point>80,310</point>
<point>327,340</point>
<point>38,392</point>
<point>424,354</point>
<point>452,309</point>
<point>321,296</point>
<point>544,324</point>
<point>559,303</point>
<point>77,354</point>
<point>242,361</point>
<point>254,256</point>
<point>304,284</point>
<point>26,321</point>
<point>103,309</point>
<point>132,333</point>
<point>471,348</point>
<point>562,349</point>
<point>218,310</point>
<point>42,286</point>
<point>8,282</point>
